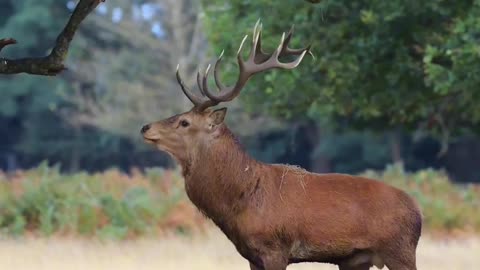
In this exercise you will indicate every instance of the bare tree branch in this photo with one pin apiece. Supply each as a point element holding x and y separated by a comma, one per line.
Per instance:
<point>6,41</point>
<point>51,64</point>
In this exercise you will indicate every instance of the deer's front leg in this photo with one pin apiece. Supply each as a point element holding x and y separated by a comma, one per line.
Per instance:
<point>273,261</point>
<point>254,267</point>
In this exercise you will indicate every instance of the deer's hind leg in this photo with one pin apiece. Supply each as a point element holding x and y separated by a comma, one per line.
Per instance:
<point>400,263</point>
<point>402,258</point>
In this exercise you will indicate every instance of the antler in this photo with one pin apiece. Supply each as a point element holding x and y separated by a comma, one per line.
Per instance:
<point>257,61</point>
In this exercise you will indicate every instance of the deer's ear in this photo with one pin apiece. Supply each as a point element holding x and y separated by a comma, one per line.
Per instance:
<point>217,116</point>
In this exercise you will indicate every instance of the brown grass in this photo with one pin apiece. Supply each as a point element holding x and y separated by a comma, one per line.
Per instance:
<point>211,251</point>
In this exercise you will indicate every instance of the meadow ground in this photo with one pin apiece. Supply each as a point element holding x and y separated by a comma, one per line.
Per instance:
<point>211,252</point>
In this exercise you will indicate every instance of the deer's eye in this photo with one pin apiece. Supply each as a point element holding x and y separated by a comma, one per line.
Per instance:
<point>184,123</point>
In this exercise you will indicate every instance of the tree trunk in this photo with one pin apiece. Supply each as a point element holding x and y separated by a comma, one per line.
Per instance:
<point>11,162</point>
<point>318,163</point>
<point>74,165</point>
<point>396,148</point>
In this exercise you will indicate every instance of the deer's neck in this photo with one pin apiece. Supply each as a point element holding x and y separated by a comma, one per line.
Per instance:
<point>221,178</point>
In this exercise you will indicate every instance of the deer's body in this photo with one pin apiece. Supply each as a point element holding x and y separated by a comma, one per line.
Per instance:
<point>279,214</point>
<point>264,208</point>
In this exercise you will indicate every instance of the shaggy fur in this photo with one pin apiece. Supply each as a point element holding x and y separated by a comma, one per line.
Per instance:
<point>276,215</point>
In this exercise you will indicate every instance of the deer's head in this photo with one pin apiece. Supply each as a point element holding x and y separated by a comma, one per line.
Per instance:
<point>183,133</point>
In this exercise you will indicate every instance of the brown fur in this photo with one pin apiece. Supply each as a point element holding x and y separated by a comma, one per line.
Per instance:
<point>280,214</point>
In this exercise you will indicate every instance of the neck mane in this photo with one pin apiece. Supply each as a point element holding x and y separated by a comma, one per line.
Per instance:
<point>220,178</point>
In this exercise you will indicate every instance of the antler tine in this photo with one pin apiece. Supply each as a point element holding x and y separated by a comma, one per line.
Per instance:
<point>288,51</point>
<point>283,50</point>
<point>250,67</point>
<point>192,97</point>
<point>260,56</point>
<point>199,83</point>
<point>255,39</point>
<point>215,72</point>
<point>241,45</point>
<point>224,91</point>
<point>257,61</point>
<point>293,64</point>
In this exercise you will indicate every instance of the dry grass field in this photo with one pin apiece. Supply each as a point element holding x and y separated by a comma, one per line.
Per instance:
<point>211,252</point>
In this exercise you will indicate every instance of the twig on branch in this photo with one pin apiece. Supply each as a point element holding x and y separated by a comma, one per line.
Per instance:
<point>51,64</point>
<point>6,41</point>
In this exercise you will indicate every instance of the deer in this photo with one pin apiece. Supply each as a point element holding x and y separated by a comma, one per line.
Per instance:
<point>276,215</point>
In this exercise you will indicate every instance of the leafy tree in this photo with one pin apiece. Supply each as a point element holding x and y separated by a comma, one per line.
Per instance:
<point>378,63</point>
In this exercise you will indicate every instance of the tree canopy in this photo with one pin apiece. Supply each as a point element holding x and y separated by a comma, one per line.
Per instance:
<point>378,64</point>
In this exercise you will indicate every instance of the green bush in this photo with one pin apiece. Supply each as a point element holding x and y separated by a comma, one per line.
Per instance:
<point>108,205</point>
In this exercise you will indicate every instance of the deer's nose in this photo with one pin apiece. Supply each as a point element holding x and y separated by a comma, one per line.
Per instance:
<point>145,128</point>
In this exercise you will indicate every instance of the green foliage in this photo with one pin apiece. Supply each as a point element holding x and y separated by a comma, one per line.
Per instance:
<point>110,205</point>
<point>378,63</point>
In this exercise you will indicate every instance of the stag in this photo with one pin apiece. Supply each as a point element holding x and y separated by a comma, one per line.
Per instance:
<point>274,214</point>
